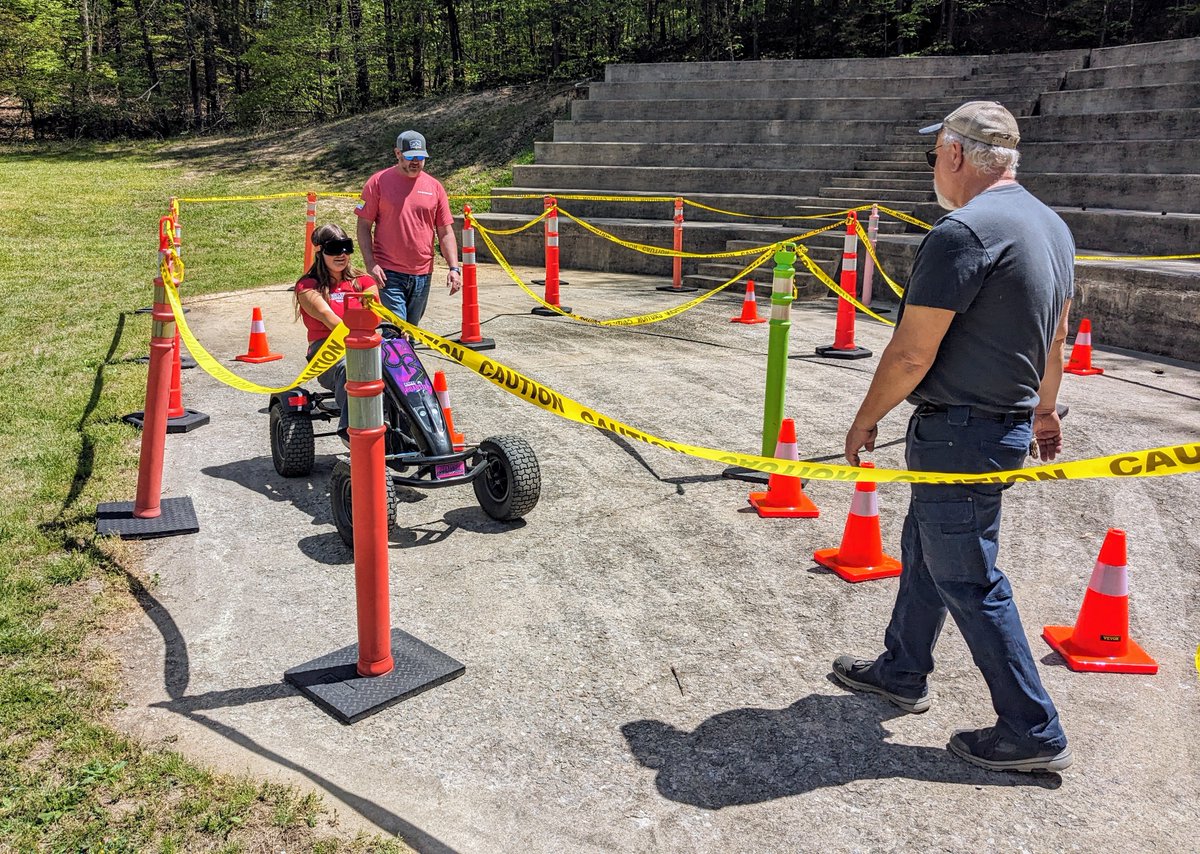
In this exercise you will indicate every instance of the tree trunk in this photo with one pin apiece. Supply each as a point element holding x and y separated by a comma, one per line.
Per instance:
<point>456,51</point>
<point>85,30</point>
<point>362,82</point>
<point>335,54</point>
<point>208,30</point>
<point>389,35</point>
<point>416,78</point>
<point>189,33</point>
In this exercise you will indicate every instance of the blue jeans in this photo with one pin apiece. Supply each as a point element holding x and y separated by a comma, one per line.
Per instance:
<point>948,550</point>
<point>406,295</point>
<point>333,379</point>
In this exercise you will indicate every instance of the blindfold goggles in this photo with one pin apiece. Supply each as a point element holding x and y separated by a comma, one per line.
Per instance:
<point>338,247</point>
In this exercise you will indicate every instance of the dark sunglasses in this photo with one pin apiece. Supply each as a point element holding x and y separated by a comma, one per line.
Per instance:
<point>338,247</point>
<point>931,157</point>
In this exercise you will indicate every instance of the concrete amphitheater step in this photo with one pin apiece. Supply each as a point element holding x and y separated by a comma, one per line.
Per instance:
<point>833,87</point>
<point>904,196</point>
<point>807,131</point>
<point>1170,96</point>
<point>699,155</point>
<point>1149,74</point>
<point>674,180</point>
<point>790,107</point>
<point>1172,193</point>
<point>787,68</point>
<point>768,207</point>
<point>1142,156</point>
<point>1129,125</point>
<point>871,183</point>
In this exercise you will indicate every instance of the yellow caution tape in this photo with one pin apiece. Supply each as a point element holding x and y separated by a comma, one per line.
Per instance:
<point>824,279</point>
<point>325,358</point>
<point>862,235</point>
<point>506,231</point>
<point>903,217</point>
<point>1136,257</point>
<point>841,214</point>
<point>653,317</point>
<point>203,200</point>
<point>1157,462</point>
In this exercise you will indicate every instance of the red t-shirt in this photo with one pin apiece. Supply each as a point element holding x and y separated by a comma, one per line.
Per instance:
<point>337,296</point>
<point>405,212</point>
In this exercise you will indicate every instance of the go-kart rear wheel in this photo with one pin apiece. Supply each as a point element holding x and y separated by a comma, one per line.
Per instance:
<point>292,444</point>
<point>340,501</point>
<point>512,483</point>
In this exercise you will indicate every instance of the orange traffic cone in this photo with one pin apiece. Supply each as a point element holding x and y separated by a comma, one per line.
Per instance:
<point>443,395</point>
<point>860,557</point>
<point>785,496</point>
<point>1100,640</point>
<point>259,351</point>
<point>749,307</point>
<point>1081,352</point>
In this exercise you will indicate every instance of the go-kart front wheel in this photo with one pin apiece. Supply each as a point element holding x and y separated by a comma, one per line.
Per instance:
<point>292,443</point>
<point>512,483</point>
<point>340,501</point>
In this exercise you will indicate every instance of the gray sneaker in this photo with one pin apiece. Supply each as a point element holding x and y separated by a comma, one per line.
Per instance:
<point>988,749</point>
<point>856,674</point>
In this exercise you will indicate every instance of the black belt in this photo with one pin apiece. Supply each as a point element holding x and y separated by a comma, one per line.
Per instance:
<point>1017,416</point>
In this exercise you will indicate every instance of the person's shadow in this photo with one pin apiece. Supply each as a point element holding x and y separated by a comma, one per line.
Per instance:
<point>747,756</point>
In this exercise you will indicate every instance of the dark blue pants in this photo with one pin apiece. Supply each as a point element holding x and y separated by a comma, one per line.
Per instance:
<point>333,379</point>
<point>948,549</point>
<point>406,295</point>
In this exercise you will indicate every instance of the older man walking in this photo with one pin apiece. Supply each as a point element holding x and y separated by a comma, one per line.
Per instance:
<point>403,207</point>
<point>978,350</point>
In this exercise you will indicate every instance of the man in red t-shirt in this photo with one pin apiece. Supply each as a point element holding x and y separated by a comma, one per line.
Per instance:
<point>404,207</point>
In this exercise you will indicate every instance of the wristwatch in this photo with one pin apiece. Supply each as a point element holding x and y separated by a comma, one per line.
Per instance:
<point>456,269</point>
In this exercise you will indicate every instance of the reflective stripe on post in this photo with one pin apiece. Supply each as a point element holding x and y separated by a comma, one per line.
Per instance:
<point>148,503</point>
<point>470,300</point>
<point>310,225</point>
<point>369,507</point>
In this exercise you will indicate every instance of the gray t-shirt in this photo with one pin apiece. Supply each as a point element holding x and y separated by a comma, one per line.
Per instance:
<point>1005,263</point>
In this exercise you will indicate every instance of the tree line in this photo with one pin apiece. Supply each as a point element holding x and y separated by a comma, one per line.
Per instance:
<point>107,68</point>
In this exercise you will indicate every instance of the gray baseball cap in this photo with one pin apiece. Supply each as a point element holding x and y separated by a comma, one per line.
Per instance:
<point>411,142</point>
<point>982,121</point>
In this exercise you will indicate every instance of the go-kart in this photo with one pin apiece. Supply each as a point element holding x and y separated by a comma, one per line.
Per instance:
<point>418,449</point>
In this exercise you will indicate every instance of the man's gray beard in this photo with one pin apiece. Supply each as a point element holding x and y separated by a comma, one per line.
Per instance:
<point>943,201</point>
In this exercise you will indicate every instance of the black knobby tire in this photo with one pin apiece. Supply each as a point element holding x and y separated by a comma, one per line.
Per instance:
<point>292,444</point>
<point>512,483</point>
<point>340,502</point>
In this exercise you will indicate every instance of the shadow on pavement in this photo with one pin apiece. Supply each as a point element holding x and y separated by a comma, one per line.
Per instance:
<point>176,674</point>
<point>750,755</point>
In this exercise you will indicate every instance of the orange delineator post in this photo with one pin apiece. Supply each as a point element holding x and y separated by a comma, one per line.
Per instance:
<point>471,335</point>
<point>784,498</point>
<point>178,235</point>
<point>860,556</point>
<point>1080,362</point>
<point>1099,641</point>
<point>552,280</point>
<point>843,346</point>
<point>369,506</point>
<point>677,261</point>
<point>310,225</point>
<point>147,503</point>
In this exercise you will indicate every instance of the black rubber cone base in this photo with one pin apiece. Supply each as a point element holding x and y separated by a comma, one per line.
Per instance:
<point>542,282</point>
<point>190,420</point>
<point>185,361</point>
<point>685,289</point>
<point>831,353</point>
<point>481,344</point>
<point>149,309</point>
<point>178,516</point>
<point>546,312</point>
<point>333,683</point>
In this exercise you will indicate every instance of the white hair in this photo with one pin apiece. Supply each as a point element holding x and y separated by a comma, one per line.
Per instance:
<point>995,160</point>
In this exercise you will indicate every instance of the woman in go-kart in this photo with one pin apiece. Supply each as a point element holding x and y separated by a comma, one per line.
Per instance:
<point>320,301</point>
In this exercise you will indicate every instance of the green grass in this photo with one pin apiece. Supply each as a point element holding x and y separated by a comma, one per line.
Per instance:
<point>82,227</point>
